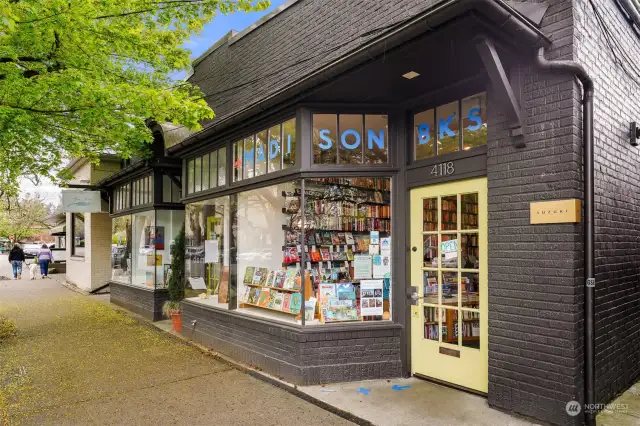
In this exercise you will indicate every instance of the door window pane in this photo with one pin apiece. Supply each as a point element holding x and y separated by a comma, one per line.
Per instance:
<point>469,251</point>
<point>325,129</point>
<point>449,251</point>
<point>274,148</point>
<point>469,211</point>
<point>474,121</point>
<point>430,214</point>
<point>470,329</point>
<point>424,135</point>
<point>289,143</point>
<point>121,249</point>
<point>430,251</point>
<point>430,287</point>
<point>376,139</point>
<point>350,143</point>
<point>191,169</point>
<point>261,153</point>
<point>222,167</point>
<point>449,326</point>
<point>449,213</point>
<point>431,322</point>
<point>448,122</point>
<point>449,289</point>
<point>249,157</point>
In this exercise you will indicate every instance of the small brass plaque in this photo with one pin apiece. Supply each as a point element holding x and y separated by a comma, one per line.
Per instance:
<point>558,211</point>
<point>450,352</point>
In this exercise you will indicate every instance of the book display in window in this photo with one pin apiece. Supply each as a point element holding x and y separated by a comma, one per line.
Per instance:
<point>341,217</point>
<point>277,290</point>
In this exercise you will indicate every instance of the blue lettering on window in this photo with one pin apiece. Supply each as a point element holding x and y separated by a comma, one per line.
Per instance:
<point>260,153</point>
<point>424,133</point>
<point>443,127</point>
<point>288,144</point>
<point>324,135</point>
<point>274,148</point>
<point>248,156</point>
<point>378,139</point>
<point>348,145</point>
<point>474,115</point>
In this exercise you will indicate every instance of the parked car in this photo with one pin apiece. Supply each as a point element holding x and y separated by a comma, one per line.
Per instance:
<point>30,250</point>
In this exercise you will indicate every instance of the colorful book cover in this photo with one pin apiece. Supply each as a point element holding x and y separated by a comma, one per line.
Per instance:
<point>316,256</point>
<point>264,297</point>
<point>296,303</point>
<point>349,254</point>
<point>339,255</point>
<point>278,280</point>
<point>269,280</point>
<point>278,300</point>
<point>292,238</point>
<point>290,279</point>
<point>342,238</point>
<point>254,295</point>
<point>325,253</point>
<point>326,238</point>
<point>346,292</point>
<point>348,236</point>
<point>291,204</point>
<point>260,276</point>
<point>310,239</point>
<point>335,238</point>
<point>272,299</point>
<point>246,293</point>
<point>286,301</point>
<point>248,275</point>
<point>291,255</point>
<point>327,290</point>
<point>319,240</point>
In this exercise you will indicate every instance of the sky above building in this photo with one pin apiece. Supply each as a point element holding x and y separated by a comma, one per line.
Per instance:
<point>198,44</point>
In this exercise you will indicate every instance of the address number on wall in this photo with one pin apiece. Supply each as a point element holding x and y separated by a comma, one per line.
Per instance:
<point>443,169</point>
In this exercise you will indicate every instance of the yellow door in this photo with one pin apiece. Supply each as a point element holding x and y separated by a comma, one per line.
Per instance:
<point>449,274</point>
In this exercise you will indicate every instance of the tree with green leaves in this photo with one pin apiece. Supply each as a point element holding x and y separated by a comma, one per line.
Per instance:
<point>22,218</point>
<point>78,79</point>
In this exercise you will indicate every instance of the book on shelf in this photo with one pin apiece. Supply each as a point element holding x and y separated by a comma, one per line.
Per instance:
<point>248,275</point>
<point>349,238</point>
<point>310,239</point>
<point>291,255</point>
<point>339,256</point>
<point>349,254</point>
<point>246,293</point>
<point>315,255</point>
<point>263,300</point>
<point>296,303</point>
<point>279,277</point>
<point>269,280</point>
<point>291,203</point>
<point>254,295</point>
<point>272,299</point>
<point>260,276</point>
<point>286,301</point>
<point>335,238</point>
<point>292,238</point>
<point>325,253</point>
<point>292,279</point>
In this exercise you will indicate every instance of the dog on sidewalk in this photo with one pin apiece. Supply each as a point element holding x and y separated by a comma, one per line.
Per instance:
<point>34,270</point>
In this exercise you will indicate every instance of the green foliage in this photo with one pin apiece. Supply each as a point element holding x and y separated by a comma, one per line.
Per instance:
<point>175,285</point>
<point>7,328</point>
<point>22,218</point>
<point>170,307</point>
<point>79,78</point>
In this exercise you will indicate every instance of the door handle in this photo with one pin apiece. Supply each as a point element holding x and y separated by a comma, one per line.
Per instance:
<point>414,249</point>
<point>414,296</point>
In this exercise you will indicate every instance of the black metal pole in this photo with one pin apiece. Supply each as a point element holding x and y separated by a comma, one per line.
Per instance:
<point>589,228</point>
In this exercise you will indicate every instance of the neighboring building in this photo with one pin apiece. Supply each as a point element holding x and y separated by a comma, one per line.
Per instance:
<point>362,205</point>
<point>88,235</point>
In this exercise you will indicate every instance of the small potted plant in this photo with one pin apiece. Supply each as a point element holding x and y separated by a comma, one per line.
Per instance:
<point>175,283</point>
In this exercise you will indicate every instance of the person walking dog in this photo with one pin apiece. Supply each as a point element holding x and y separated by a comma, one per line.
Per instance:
<point>45,256</point>
<point>16,259</point>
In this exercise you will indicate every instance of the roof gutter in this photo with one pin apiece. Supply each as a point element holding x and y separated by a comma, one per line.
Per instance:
<point>496,10</point>
<point>578,70</point>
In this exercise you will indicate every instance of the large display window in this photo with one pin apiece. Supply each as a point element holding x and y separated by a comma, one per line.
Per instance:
<point>141,247</point>
<point>207,252</point>
<point>308,252</point>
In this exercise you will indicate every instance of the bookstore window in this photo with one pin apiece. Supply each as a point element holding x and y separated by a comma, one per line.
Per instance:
<point>143,244</point>
<point>207,171</point>
<point>350,139</point>
<point>266,151</point>
<point>440,130</point>
<point>326,262</point>
<point>207,252</point>
<point>142,191</point>
<point>121,249</point>
<point>168,226</point>
<point>121,198</point>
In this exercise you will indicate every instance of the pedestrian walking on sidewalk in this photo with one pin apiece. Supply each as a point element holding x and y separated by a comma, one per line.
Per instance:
<point>45,256</point>
<point>16,259</point>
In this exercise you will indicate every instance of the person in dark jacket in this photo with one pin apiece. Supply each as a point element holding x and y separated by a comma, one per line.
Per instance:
<point>16,259</point>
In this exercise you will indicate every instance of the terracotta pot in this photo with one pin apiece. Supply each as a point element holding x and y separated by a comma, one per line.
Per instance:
<point>177,322</point>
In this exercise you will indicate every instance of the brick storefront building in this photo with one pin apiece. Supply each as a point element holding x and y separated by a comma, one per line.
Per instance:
<point>386,160</point>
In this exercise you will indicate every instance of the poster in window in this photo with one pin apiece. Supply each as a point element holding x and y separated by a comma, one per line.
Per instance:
<point>371,297</point>
<point>167,272</point>
<point>159,237</point>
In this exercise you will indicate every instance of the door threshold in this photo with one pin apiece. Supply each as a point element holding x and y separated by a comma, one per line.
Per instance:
<point>450,385</point>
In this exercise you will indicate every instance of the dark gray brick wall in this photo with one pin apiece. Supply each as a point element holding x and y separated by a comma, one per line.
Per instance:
<point>313,355</point>
<point>301,39</point>
<point>144,302</point>
<point>535,312</point>
<point>617,195</point>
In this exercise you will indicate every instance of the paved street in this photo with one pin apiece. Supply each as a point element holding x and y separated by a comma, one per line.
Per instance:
<point>78,361</point>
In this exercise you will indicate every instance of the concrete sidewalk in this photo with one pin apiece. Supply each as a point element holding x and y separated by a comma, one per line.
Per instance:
<point>78,361</point>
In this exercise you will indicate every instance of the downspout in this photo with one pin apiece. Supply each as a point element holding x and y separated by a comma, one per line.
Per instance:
<point>589,226</point>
